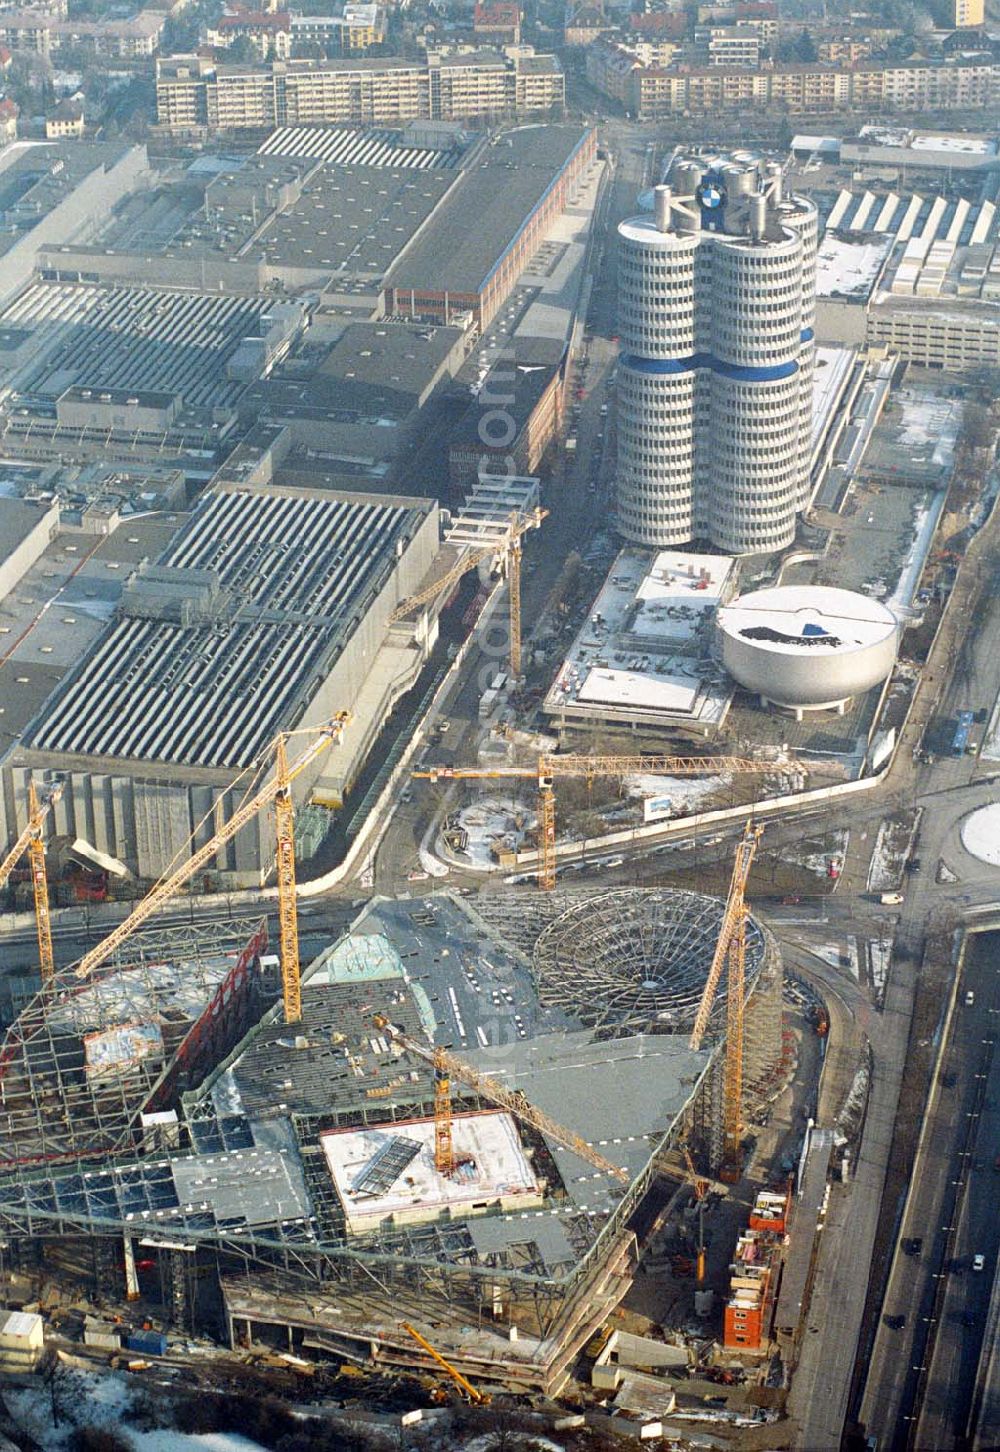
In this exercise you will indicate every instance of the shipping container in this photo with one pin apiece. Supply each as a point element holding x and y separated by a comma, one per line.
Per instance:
<point>151,1343</point>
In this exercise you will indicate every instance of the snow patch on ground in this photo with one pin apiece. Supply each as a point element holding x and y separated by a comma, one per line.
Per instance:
<point>925,521</point>
<point>490,826</point>
<point>817,862</point>
<point>164,1441</point>
<point>892,847</point>
<point>432,865</point>
<point>981,834</point>
<point>683,791</point>
<point>855,1101</point>
<point>879,954</point>
<point>104,1400</point>
<point>839,955</point>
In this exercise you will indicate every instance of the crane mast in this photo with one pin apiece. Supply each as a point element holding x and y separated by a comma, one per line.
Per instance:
<point>549,767</point>
<point>40,886</point>
<point>509,1099</point>
<point>730,953</point>
<point>273,790</point>
<point>32,842</point>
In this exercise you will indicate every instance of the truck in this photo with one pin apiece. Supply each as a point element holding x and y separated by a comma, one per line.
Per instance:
<point>960,741</point>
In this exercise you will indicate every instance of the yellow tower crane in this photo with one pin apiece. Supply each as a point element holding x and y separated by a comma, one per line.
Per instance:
<point>730,952</point>
<point>31,841</point>
<point>589,767</point>
<point>509,548</point>
<point>277,790</point>
<point>480,1399</point>
<point>447,1064</point>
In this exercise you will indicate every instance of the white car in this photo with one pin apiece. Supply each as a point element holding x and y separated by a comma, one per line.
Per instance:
<point>978,1262</point>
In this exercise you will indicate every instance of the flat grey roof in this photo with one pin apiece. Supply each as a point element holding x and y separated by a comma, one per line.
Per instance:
<point>18,517</point>
<point>354,219</point>
<point>616,1094</point>
<point>393,357</point>
<point>500,191</point>
<point>295,571</point>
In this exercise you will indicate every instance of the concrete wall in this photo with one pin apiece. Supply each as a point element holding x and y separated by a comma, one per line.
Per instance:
<point>840,322</point>
<point>76,217</point>
<point>138,269</point>
<point>20,560</point>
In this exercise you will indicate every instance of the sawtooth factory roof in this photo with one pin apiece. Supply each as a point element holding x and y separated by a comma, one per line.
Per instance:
<point>279,582</point>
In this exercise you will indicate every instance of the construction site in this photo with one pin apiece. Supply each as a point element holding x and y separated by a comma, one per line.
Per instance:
<point>455,1117</point>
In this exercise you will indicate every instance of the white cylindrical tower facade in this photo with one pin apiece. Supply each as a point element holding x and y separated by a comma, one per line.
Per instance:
<point>717,293</point>
<point>748,453</point>
<point>656,397</point>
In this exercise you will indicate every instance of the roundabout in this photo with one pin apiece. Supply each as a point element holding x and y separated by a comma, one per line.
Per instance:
<point>980,834</point>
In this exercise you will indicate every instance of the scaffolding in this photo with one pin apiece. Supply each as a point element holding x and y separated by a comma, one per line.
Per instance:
<point>83,1061</point>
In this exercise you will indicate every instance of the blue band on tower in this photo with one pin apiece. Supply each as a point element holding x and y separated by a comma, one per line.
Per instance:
<point>665,367</point>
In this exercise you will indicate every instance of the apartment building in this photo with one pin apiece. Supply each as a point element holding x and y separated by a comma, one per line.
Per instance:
<point>649,89</point>
<point>369,92</point>
<point>192,94</point>
<point>728,45</point>
<point>498,19</point>
<point>135,38</point>
<point>269,32</point>
<point>915,85</point>
<point>966,13</point>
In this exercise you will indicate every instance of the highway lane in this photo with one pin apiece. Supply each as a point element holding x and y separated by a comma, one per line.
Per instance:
<point>963,1294</point>
<point>946,1150</point>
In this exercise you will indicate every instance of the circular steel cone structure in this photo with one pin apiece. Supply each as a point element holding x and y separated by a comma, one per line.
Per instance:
<point>636,961</point>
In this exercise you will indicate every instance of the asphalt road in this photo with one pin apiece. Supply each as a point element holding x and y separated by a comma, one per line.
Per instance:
<point>931,1359</point>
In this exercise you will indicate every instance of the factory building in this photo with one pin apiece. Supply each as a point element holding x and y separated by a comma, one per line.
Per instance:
<point>53,194</point>
<point>269,610</point>
<point>914,271</point>
<point>715,375</point>
<point>517,413</point>
<point>515,189</point>
<point>26,529</point>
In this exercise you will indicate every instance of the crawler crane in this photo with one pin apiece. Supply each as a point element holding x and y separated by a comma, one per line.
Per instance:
<point>478,1398</point>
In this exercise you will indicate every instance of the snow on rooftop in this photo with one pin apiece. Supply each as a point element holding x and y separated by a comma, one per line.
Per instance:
<point>798,618</point>
<point>963,145</point>
<point>830,373</point>
<point>143,991</point>
<point>493,1171</point>
<point>632,688</point>
<point>849,267</point>
<point>638,649</point>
